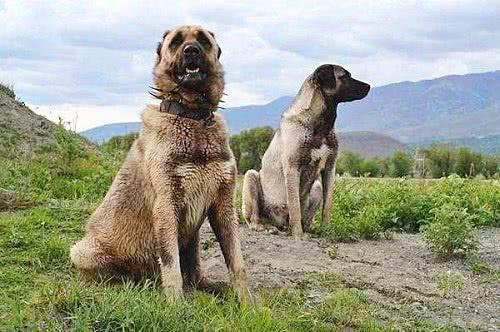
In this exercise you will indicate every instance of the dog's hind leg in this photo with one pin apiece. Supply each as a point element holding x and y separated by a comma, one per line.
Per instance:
<point>92,261</point>
<point>314,201</point>
<point>251,199</point>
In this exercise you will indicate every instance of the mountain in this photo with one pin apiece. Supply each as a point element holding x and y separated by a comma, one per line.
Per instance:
<point>247,117</point>
<point>103,133</point>
<point>486,144</point>
<point>369,144</point>
<point>447,107</point>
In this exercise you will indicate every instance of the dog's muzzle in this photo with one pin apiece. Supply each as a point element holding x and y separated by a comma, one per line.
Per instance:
<point>193,65</point>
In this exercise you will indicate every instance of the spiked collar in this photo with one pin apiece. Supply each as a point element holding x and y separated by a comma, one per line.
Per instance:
<point>175,108</point>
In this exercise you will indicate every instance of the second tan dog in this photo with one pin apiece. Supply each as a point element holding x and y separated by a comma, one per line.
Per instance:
<point>178,172</point>
<point>299,164</point>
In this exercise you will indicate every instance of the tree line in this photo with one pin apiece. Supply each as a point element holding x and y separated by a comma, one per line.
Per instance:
<point>435,161</point>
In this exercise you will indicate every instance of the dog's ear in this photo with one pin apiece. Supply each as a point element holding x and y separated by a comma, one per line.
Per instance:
<point>160,44</point>
<point>218,47</point>
<point>325,76</point>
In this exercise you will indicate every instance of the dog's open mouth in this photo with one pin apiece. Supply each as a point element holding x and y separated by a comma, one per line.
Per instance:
<point>191,73</point>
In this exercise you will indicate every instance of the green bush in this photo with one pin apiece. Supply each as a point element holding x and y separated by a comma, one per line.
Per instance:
<point>364,208</point>
<point>451,232</point>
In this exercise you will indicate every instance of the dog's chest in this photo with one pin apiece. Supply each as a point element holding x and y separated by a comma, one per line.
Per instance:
<point>198,163</point>
<point>320,155</point>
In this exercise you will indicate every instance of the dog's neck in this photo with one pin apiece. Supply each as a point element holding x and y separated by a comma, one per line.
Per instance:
<point>313,110</point>
<point>177,109</point>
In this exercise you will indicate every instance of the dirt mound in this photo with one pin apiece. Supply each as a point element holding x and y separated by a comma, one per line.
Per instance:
<point>396,272</point>
<point>21,128</point>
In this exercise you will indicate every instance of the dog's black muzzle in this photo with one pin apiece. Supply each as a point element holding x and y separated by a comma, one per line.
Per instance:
<point>193,68</point>
<point>357,90</point>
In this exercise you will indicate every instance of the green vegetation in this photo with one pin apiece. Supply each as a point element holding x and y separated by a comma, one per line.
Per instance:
<point>365,208</point>
<point>68,170</point>
<point>451,231</point>
<point>249,147</point>
<point>448,283</point>
<point>444,160</point>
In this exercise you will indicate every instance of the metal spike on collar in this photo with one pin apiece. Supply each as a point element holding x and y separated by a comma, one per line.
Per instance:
<point>209,121</point>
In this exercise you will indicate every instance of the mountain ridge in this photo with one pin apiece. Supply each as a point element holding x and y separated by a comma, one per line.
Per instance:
<point>452,106</point>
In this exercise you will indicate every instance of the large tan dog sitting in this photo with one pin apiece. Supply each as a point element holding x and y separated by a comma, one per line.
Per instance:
<point>299,164</point>
<point>178,172</point>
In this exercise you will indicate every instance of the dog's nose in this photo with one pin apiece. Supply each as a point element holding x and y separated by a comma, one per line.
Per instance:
<point>191,50</point>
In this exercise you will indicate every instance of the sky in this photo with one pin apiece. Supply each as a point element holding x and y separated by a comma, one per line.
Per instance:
<point>90,62</point>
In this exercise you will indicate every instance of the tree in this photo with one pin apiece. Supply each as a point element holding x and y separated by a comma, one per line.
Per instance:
<point>441,158</point>
<point>352,163</point>
<point>468,163</point>
<point>400,164</point>
<point>371,168</point>
<point>234,142</point>
<point>491,166</point>
<point>249,147</point>
<point>384,165</point>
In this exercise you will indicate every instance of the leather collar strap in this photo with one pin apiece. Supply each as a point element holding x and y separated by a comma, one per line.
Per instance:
<point>177,109</point>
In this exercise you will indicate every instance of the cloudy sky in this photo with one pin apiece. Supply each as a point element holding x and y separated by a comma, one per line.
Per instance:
<point>90,62</point>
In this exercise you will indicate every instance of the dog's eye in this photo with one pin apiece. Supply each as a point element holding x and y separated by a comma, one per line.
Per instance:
<point>203,40</point>
<point>176,41</point>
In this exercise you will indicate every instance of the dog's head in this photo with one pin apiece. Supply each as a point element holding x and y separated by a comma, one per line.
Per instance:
<point>187,67</point>
<point>335,82</point>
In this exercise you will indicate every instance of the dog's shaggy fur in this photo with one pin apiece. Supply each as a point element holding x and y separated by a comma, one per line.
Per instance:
<point>178,172</point>
<point>299,164</point>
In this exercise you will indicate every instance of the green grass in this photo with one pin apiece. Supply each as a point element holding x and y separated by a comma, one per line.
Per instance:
<point>39,290</point>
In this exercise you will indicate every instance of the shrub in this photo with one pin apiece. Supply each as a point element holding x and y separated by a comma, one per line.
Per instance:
<point>451,232</point>
<point>8,90</point>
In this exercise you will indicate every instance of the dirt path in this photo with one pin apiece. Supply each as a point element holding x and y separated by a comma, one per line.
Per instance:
<point>396,272</point>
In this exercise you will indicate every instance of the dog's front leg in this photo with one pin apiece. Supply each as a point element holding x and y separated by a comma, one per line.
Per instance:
<point>292,183</point>
<point>224,223</point>
<point>327,176</point>
<point>167,246</point>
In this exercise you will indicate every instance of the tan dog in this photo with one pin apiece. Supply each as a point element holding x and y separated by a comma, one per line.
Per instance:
<point>178,172</point>
<point>299,164</point>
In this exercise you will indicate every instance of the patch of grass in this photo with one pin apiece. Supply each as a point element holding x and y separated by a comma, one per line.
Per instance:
<point>487,273</point>
<point>332,252</point>
<point>449,282</point>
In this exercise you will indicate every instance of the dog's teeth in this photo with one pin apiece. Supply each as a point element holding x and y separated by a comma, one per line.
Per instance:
<point>190,71</point>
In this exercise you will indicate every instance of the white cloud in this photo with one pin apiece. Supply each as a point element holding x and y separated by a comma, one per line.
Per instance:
<point>94,57</point>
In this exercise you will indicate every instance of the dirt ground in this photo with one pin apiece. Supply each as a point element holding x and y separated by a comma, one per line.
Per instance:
<point>394,273</point>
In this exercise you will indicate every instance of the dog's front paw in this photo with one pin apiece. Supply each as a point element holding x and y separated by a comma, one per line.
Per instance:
<point>173,294</point>
<point>257,226</point>
<point>296,234</point>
